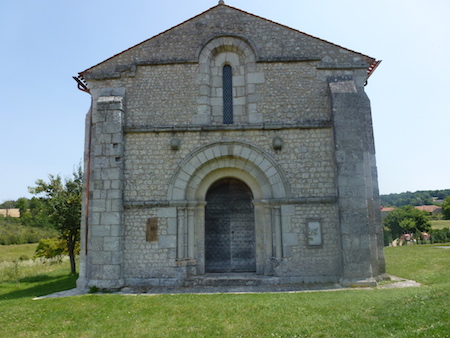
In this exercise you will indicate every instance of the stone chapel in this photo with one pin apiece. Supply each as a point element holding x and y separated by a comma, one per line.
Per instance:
<point>227,146</point>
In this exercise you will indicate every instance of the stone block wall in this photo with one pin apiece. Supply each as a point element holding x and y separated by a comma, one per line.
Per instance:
<point>356,180</point>
<point>150,96</point>
<point>302,142</point>
<point>150,260</point>
<point>307,263</point>
<point>104,250</point>
<point>305,159</point>
<point>291,92</point>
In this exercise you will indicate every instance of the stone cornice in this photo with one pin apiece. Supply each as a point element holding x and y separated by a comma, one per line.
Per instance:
<point>130,69</point>
<point>316,124</point>
<point>330,65</point>
<point>267,202</point>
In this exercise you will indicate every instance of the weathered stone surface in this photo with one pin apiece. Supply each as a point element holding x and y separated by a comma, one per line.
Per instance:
<point>158,143</point>
<point>273,42</point>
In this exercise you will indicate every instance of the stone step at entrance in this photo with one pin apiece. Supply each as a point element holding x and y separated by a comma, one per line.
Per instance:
<point>231,279</point>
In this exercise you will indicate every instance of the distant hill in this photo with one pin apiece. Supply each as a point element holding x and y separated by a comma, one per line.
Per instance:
<point>425,197</point>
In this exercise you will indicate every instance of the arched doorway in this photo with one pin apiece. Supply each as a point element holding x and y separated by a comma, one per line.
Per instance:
<point>229,227</point>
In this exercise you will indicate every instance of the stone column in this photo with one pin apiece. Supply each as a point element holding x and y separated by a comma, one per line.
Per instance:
<point>276,221</point>
<point>181,213</point>
<point>105,226</point>
<point>268,240</point>
<point>191,232</point>
<point>82,276</point>
<point>199,228</point>
<point>356,182</point>
<point>261,238</point>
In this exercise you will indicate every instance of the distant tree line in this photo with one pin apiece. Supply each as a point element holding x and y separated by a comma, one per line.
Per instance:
<point>10,204</point>
<point>32,225</point>
<point>12,231</point>
<point>414,198</point>
<point>32,212</point>
<point>54,212</point>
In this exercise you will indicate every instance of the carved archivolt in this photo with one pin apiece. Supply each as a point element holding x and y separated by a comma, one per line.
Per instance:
<point>208,164</point>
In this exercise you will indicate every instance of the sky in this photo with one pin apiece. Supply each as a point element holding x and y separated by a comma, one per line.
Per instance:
<point>44,43</point>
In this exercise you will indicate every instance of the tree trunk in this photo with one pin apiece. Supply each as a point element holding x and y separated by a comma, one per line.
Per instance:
<point>71,249</point>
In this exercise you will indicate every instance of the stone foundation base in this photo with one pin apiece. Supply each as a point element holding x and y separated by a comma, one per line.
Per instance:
<point>364,282</point>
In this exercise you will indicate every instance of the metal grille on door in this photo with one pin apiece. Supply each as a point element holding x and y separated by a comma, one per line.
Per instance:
<point>229,228</point>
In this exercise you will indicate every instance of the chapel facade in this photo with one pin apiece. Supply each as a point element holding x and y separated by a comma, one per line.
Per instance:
<point>230,145</point>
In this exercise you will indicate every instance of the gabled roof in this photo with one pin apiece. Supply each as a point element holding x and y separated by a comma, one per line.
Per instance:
<point>272,41</point>
<point>429,208</point>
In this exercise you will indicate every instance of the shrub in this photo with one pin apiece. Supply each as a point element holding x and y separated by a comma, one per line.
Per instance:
<point>50,248</point>
<point>440,235</point>
<point>53,247</point>
<point>387,238</point>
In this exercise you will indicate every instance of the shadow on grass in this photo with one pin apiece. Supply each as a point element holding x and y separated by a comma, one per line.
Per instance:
<point>39,286</point>
<point>38,278</point>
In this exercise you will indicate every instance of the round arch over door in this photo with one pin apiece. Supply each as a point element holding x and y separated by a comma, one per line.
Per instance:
<point>209,164</point>
<point>229,227</point>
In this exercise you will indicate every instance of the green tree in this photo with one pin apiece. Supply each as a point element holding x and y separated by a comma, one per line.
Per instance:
<point>39,217</point>
<point>32,212</point>
<point>22,205</point>
<point>446,206</point>
<point>10,204</point>
<point>62,202</point>
<point>406,219</point>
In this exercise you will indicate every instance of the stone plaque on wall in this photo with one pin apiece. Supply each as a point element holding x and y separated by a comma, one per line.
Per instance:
<point>151,234</point>
<point>314,233</point>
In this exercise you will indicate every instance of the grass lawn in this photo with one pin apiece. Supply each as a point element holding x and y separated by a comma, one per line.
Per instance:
<point>9,253</point>
<point>409,312</point>
<point>440,224</point>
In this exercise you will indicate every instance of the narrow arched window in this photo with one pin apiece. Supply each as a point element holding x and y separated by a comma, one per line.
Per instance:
<point>227,95</point>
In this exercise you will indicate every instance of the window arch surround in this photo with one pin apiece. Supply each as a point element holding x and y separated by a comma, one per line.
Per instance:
<point>237,53</point>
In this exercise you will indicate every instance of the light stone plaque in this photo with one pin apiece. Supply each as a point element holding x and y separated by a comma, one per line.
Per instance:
<point>152,230</point>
